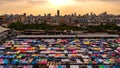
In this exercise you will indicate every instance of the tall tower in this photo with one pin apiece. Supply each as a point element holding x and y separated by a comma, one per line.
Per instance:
<point>58,12</point>
<point>24,14</point>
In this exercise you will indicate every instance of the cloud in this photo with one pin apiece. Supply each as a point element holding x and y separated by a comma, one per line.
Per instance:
<point>98,0</point>
<point>31,2</point>
<point>21,3</point>
<point>35,2</point>
<point>5,2</point>
<point>10,0</point>
<point>42,6</point>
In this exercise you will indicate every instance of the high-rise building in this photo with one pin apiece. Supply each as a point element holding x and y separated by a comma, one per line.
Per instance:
<point>49,14</point>
<point>24,14</point>
<point>1,20</point>
<point>58,12</point>
<point>44,15</point>
<point>75,14</point>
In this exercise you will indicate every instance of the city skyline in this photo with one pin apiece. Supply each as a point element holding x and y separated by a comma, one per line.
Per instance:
<point>42,7</point>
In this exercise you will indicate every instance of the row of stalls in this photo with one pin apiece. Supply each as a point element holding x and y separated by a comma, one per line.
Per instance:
<point>61,53</point>
<point>59,66</point>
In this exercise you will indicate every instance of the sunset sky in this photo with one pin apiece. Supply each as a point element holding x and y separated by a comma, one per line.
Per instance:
<point>37,7</point>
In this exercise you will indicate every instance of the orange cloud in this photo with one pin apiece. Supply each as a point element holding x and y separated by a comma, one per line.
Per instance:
<point>43,6</point>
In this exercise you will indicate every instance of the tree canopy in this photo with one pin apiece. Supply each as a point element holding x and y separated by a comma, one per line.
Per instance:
<point>44,26</point>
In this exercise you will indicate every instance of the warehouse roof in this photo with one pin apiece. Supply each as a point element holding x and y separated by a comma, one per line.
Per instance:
<point>67,36</point>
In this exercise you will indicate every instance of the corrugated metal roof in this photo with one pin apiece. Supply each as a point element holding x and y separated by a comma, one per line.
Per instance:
<point>44,36</point>
<point>67,36</point>
<point>98,35</point>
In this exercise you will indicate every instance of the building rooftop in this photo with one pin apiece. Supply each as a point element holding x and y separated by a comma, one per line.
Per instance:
<point>68,36</point>
<point>99,35</point>
<point>2,29</point>
<point>45,36</point>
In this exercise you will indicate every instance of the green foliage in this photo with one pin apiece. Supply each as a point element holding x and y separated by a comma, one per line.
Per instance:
<point>44,26</point>
<point>17,26</point>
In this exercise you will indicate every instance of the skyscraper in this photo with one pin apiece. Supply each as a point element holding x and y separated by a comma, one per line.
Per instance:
<point>58,12</point>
